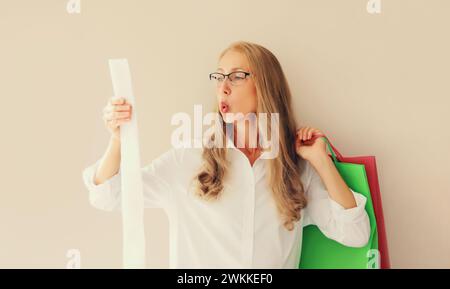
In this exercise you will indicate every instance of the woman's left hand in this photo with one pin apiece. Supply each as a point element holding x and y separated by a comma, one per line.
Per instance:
<point>309,143</point>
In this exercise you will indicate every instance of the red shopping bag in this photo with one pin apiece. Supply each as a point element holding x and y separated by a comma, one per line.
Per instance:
<point>372,176</point>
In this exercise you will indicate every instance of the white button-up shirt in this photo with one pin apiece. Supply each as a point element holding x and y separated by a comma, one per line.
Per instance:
<point>242,229</point>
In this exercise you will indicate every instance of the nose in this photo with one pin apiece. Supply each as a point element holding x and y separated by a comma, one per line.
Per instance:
<point>224,87</point>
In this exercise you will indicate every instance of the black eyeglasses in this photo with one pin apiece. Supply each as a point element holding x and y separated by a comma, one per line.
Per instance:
<point>235,77</point>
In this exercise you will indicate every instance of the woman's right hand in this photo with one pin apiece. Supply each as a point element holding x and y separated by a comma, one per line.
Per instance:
<point>115,113</point>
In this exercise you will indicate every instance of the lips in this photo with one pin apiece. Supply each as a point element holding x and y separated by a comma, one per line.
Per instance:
<point>224,108</point>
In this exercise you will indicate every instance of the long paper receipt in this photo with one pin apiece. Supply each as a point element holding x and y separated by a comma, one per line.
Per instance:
<point>130,166</point>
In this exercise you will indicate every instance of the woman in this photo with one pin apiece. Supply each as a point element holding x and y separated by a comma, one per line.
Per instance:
<point>228,207</point>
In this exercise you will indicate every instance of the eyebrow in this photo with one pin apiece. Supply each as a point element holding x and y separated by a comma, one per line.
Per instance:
<point>232,69</point>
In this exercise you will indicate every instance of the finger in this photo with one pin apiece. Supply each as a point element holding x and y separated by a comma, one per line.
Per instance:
<point>309,133</point>
<point>114,123</point>
<point>122,121</point>
<point>118,115</point>
<point>123,114</point>
<point>318,133</point>
<point>313,139</point>
<point>304,133</point>
<point>107,109</point>
<point>111,123</point>
<point>118,100</point>
<point>118,107</point>
<point>300,133</point>
<point>109,116</point>
<point>306,140</point>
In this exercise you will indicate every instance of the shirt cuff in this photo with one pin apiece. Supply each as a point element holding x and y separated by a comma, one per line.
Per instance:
<point>352,215</point>
<point>108,186</point>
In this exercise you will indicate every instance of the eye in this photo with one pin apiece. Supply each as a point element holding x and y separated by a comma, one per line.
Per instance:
<point>238,76</point>
<point>216,77</point>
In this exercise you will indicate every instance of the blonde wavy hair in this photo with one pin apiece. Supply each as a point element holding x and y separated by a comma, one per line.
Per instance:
<point>273,96</point>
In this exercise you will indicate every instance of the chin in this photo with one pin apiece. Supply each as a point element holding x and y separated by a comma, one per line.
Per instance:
<point>232,117</point>
<point>228,119</point>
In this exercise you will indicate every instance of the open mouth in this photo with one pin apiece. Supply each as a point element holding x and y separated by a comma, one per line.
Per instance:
<point>224,107</point>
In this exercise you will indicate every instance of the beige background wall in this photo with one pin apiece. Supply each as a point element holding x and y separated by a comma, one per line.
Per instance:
<point>376,84</point>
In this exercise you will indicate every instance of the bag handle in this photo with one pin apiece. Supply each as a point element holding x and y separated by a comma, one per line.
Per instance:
<point>332,149</point>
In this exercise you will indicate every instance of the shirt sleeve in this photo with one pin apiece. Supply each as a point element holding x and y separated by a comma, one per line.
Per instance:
<point>350,227</point>
<point>155,179</point>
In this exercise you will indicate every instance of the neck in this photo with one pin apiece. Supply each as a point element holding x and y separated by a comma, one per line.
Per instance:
<point>247,133</point>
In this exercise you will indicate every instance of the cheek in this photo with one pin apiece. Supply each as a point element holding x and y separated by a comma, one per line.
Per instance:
<point>252,99</point>
<point>245,101</point>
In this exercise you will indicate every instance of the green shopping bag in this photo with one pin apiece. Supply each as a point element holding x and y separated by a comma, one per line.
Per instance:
<point>320,252</point>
